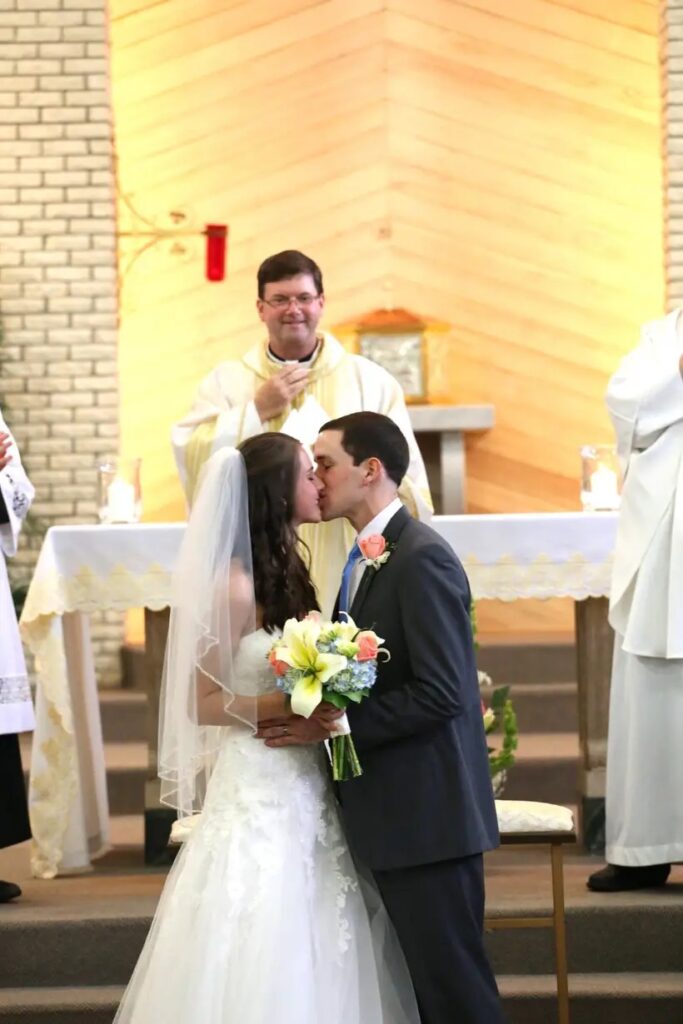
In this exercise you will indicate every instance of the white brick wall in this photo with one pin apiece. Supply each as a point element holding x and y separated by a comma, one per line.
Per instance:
<point>672,56</point>
<point>58,383</point>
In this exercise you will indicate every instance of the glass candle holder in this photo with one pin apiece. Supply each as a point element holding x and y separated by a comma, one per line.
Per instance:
<point>119,492</point>
<point>600,478</point>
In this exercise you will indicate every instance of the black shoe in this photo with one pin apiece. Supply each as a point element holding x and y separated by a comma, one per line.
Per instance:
<point>616,878</point>
<point>9,891</point>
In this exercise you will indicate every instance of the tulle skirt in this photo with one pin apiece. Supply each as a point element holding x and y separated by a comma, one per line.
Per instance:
<point>263,918</point>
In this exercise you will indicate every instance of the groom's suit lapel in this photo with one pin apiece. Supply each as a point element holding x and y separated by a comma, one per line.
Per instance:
<point>392,532</point>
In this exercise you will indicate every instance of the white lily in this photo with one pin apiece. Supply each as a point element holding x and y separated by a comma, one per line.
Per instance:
<point>344,631</point>
<point>298,649</point>
<point>489,717</point>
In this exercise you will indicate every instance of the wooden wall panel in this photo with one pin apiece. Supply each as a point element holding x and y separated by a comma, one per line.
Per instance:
<point>492,164</point>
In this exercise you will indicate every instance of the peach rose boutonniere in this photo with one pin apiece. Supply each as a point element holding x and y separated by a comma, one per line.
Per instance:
<point>374,550</point>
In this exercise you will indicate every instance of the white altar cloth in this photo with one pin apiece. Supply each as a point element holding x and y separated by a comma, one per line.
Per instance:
<point>534,554</point>
<point>83,568</point>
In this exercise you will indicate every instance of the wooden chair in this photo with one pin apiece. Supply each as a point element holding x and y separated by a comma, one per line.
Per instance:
<point>535,824</point>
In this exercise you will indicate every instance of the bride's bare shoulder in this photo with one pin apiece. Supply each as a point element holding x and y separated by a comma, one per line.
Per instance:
<point>240,586</point>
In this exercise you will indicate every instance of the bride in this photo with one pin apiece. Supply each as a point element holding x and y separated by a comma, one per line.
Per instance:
<point>263,918</point>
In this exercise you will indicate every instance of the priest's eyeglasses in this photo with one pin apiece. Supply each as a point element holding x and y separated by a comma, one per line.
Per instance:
<point>303,301</point>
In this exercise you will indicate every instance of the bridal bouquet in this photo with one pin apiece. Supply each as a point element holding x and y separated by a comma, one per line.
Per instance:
<point>333,661</point>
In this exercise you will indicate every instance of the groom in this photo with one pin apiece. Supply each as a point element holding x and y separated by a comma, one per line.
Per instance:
<point>422,813</point>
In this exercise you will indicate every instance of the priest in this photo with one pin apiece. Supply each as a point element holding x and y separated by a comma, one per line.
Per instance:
<point>294,381</point>
<point>645,743</point>
<point>16,709</point>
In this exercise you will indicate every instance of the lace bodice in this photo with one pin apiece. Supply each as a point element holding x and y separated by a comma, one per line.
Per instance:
<point>259,764</point>
<point>251,663</point>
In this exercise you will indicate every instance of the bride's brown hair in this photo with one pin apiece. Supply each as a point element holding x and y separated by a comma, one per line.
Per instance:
<point>282,584</point>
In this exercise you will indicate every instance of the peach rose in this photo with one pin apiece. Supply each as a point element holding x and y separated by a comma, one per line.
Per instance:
<point>372,546</point>
<point>280,667</point>
<point>367,647</point>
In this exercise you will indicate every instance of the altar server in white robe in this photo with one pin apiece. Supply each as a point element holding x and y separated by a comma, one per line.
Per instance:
<point>644,797</point>
<point>296,380</point>
<point>16,709</point>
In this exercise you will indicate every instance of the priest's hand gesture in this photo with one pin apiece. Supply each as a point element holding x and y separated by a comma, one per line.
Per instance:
<point>273,397</point>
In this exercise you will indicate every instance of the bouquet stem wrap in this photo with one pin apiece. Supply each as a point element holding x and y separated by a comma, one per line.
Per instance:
<point>345,762</point>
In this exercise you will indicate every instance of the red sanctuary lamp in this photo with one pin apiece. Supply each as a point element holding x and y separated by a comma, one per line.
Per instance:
<point>216,248</point>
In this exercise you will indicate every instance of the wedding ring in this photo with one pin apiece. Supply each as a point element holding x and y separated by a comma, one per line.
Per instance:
<point>285,730</point>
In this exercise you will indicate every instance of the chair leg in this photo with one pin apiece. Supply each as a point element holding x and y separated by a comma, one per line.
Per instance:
<point>556,854</point>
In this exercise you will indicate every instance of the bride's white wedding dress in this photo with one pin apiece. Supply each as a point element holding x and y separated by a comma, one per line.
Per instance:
<point>262,919</point>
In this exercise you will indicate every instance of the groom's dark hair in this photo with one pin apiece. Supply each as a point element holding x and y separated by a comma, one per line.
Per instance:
<point>367,435</point>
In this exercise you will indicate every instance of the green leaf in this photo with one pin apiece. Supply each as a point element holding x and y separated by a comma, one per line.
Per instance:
<point>473,622</point>
<point>332,697</point>
<point>354,696</point>
<point>499,697</point>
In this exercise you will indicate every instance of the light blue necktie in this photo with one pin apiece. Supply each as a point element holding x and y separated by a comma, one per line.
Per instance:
<point>355,554</point>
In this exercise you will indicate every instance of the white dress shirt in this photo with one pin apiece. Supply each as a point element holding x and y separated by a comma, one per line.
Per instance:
<point>376,525</point>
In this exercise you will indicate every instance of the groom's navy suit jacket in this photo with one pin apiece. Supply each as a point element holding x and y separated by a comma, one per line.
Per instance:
<point>425,793</point>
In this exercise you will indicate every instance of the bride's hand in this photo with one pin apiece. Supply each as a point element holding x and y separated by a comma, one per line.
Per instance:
<point>294,730</point>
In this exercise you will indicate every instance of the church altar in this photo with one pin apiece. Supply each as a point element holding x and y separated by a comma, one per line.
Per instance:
<point>81,569</point>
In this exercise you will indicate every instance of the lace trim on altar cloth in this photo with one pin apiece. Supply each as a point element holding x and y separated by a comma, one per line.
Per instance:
<point>509,580</point>
<point>52,790</point>
<point>14,690</point>
<point>54,775</point>
<point>86,591</point>
<point>506,579</point>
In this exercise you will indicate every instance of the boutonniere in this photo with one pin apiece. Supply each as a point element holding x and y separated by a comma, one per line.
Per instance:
<point>374,550</point>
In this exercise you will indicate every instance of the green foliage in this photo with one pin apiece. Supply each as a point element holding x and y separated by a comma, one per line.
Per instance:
<point>473,623</point>
<point>504,721</point>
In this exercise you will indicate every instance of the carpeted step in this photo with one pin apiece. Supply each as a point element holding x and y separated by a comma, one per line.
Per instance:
<point>643,998</point>
<point>547,708</point>
<point>655,998</point>
<point>546,768</point>
<point>600,938</point>
<point>74,951</point>
<point>133,668</point>
<point>126,774</point>
<point>124,716</point>
<point>539,662</point>
<point>87,930</point>
<point>126,765</point>
<point>652,998</point>
<point>551,707</point>
<point>101,948</point>
<point>69,1005</point>
<point>536,660</point>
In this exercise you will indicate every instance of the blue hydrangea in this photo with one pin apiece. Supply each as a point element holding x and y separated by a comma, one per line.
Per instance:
<point>357,677</point>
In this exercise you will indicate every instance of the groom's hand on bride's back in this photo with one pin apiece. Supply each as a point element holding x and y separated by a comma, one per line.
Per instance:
<point>297,731</point>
